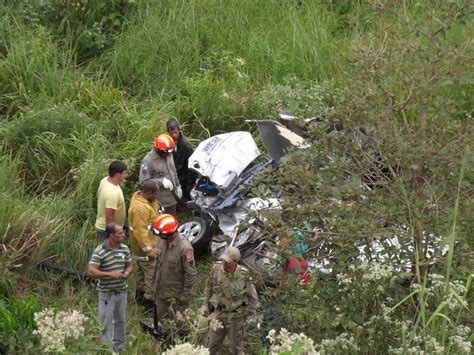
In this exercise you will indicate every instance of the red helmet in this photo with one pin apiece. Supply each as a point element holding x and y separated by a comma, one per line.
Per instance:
<point>164,142</point>
<point>165,224</point>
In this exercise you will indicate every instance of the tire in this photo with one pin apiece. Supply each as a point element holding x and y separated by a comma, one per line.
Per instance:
<point>198,232</point>
<point>260,264</point>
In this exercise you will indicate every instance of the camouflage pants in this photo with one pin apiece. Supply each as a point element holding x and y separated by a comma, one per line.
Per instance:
<point>233,326</point>
<point>144,278</point>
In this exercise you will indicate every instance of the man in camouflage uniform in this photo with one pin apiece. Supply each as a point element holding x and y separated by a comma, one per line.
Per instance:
<point>230,297</point>
<point>143,211</point>
<point>158,166</point>
<point>175,271</point>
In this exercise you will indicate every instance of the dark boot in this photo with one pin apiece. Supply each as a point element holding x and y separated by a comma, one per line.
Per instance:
<point>139,297</point>
<point>148,306</point>
<point>154,330</point>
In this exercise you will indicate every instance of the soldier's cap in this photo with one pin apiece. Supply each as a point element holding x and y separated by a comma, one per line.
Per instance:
<point>231,254</point>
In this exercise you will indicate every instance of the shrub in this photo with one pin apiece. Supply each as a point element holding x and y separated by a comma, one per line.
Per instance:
<point>390,160</point>
<point>217,94</point>
<point>89,25</point>
<point>55,328</point>
<point>302,99</point>
<point>17,325</point>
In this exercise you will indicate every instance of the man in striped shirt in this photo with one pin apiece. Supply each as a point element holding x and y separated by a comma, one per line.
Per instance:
<point>111,264</point>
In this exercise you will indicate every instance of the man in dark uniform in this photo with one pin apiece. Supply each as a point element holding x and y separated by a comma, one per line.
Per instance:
<point>181,154</point>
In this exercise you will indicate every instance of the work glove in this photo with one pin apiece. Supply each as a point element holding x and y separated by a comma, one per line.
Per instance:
<point>167,184</point>
<point>178,192</point>
<point>204,310</point>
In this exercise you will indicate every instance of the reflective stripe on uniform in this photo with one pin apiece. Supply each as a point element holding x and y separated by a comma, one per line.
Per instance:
<point>147,248</point>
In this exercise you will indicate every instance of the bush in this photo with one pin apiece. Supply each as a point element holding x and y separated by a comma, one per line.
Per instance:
<point>216,95</point>
<point>87,26</point>
<point>391,159</point>
<point>17,325</point>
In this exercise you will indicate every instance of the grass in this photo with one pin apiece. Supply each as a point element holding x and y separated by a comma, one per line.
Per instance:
<point>66,111</point>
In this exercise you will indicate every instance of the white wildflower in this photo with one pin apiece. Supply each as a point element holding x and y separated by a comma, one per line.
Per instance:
<point>433,346</point>
<point>55,327</point>
<point>187,349</point>
<point>343,279</point>
<point>460,344</point>
<point>343,342</point>
<point>375,271</point>
<point>214,323</point>
<point>284,342</point>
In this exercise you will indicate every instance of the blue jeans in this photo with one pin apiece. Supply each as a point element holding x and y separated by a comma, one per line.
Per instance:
<point>267,321</point>
<point>112,308</point>
<point>101,234</point>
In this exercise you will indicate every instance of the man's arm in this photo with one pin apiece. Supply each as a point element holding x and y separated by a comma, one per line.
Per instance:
<point>251,295</point>
<point>209,287</point>
<point>128,263</point>
<point>208,293</point>
<point>190,273</point>
<point>138,220</point>
<point>94,272</point>
<point>109,215</point>
<point>111,205</point>
<point>190,175</point>
<point>146,174</point>
<point>128,270</point>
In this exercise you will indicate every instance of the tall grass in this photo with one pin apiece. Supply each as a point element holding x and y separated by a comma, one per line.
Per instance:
<point>441,322</point>
<point>211,64</point>
<point>277,39</point>
<point>34,65</point>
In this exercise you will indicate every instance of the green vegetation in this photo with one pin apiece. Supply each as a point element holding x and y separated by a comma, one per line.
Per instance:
<point>86,82</point>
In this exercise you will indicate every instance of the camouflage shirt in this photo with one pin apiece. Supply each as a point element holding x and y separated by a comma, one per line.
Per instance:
<point>230,292</point>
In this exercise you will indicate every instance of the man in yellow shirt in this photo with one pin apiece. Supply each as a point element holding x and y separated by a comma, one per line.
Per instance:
<point>143,211</point>
<point>110,201</point>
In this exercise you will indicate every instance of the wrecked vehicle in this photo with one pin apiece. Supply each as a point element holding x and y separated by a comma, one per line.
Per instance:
<point>227,164</point>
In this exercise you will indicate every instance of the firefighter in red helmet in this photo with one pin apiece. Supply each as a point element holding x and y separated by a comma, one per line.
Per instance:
<point>175,270</point>
<point>158,166</point>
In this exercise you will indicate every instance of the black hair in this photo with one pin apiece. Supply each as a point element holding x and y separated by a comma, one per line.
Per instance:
<point>117,167</point>
<point>110,228</point>
<point>149,186</point>
<point>172,124</point>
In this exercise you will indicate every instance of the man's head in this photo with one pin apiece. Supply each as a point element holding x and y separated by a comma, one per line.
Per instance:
<point>230,257</point>
<point>165,226</point>
<point>164,145</point>
<point>149,190</point>
<point>115,233</point>
<point>172,126</point>
<point>118,170</point>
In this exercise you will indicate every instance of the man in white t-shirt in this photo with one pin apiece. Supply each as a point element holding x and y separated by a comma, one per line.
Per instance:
<point>110,201</point>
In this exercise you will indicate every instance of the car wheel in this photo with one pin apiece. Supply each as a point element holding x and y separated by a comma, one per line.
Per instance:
<point>260,263</point>
<point>197,231</point>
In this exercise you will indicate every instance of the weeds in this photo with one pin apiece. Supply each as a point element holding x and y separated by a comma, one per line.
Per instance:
<point>84,83</point>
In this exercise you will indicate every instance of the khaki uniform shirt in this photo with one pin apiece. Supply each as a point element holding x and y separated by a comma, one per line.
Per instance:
<point>175,271</point>
<point>230,292</point>
<point>156,168</point>
<point>141,214</point>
